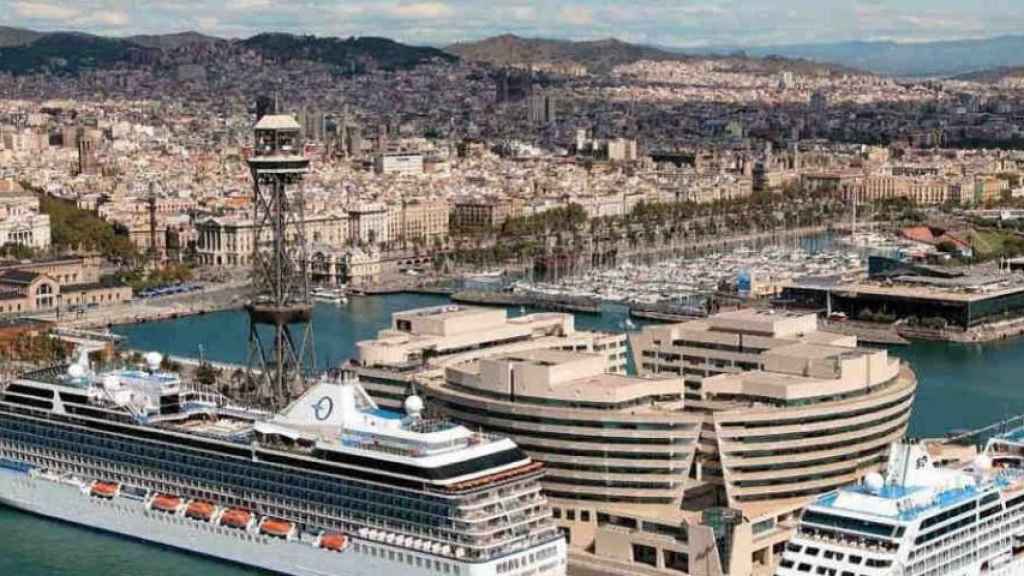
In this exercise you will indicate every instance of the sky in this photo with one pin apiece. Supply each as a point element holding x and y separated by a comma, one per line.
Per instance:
<point>681,23</point>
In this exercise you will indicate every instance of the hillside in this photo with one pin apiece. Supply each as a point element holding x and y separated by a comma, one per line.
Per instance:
<point>173,41</point>
<point>597,55</point>
<point>603,55</point>
<point>943,58</point>
<point>26,51</point>
<point>70,52</point>
<point>16,36</point>
<point>382,52</point>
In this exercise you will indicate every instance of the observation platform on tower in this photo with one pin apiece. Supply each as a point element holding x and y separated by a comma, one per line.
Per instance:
<point>278,148</point>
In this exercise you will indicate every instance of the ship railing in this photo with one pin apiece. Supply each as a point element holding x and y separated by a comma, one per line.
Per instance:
<point>504,523</point>
<point>518,489</point>
<point>496,509</point>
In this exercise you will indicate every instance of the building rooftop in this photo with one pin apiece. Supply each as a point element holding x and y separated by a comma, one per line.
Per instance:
<point>805,371</point>
<point>558,375</point>
<point>277,122</point>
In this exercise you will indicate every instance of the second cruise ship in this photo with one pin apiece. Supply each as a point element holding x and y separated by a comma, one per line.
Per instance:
<point>919,520</point>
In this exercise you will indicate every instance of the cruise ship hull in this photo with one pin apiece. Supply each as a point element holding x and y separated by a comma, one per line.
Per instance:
<point>70,502</point>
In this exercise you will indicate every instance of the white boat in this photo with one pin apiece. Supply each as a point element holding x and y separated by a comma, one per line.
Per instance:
<point>330,295</point>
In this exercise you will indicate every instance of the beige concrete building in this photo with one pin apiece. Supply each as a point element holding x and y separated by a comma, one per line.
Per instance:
<point>923,191</point>
<point>423,221</point>
<point>728,342</point>
<point>483,213</point>
<point>692,476</point>
<point>428,339</point>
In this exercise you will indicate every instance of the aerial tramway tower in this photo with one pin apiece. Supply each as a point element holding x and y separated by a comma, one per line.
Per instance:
<point>281,350</point>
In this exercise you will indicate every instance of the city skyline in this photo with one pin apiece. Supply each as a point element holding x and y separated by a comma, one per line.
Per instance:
<point>441,22</point>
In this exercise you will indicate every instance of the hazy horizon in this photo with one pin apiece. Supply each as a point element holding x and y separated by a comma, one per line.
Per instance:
<point>682,24</point>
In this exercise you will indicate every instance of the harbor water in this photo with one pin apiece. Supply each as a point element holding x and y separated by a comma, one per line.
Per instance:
<point>961,386</point>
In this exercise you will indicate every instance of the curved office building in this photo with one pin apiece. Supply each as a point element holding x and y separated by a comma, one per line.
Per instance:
<point>813,419</point>
<point>746,417</point>
<point>603,437</point>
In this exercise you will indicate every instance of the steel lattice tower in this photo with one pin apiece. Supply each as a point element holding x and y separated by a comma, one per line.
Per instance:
<point>280,328</point>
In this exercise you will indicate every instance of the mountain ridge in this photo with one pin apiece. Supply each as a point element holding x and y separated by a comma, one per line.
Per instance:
<point>604,54</point>
<point>24,51</point>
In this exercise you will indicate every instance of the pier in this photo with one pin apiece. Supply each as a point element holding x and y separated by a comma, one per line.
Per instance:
<point>541,301</point>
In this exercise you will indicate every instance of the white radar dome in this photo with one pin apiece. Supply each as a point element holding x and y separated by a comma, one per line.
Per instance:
<point>874,482</point>
<point>76,371</point>
<point>982,462</point>
<point>153,360</point>
<point>414,406</point>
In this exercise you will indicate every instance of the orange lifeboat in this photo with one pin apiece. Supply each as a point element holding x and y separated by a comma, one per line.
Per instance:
<point>105,489</point>
<point>166,503</point>
<point>236,518</point>
<point>199,510</point>
<point>276,527</point>
<point>333,541</point>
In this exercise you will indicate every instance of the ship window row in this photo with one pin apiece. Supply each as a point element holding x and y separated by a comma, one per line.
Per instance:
<point>305,513</point>
<point>821,433</point>
<point>844,538</point>
<point>948,514</point>
<point>439,567</point>
<point>949,528</point>
<point>348,497</point>
<point>610,454</point>
<point>351,499</point>
<point>366,506</point>
<point>1015,501</point>
<point>30,401</point>
<point>359,494</point>
<point>819,448</point>
<point>845,523</point>
<point>818,419</point>
<point>599,424</point>
<point>30,391</point>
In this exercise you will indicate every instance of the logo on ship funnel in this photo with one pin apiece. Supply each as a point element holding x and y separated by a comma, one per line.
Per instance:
<point>323,408</point>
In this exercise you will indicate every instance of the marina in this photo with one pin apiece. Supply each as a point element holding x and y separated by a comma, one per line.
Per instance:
<point>746,272</point>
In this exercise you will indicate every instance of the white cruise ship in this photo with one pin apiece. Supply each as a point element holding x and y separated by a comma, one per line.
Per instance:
<point>330,486</point>
<point>916,520</point>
